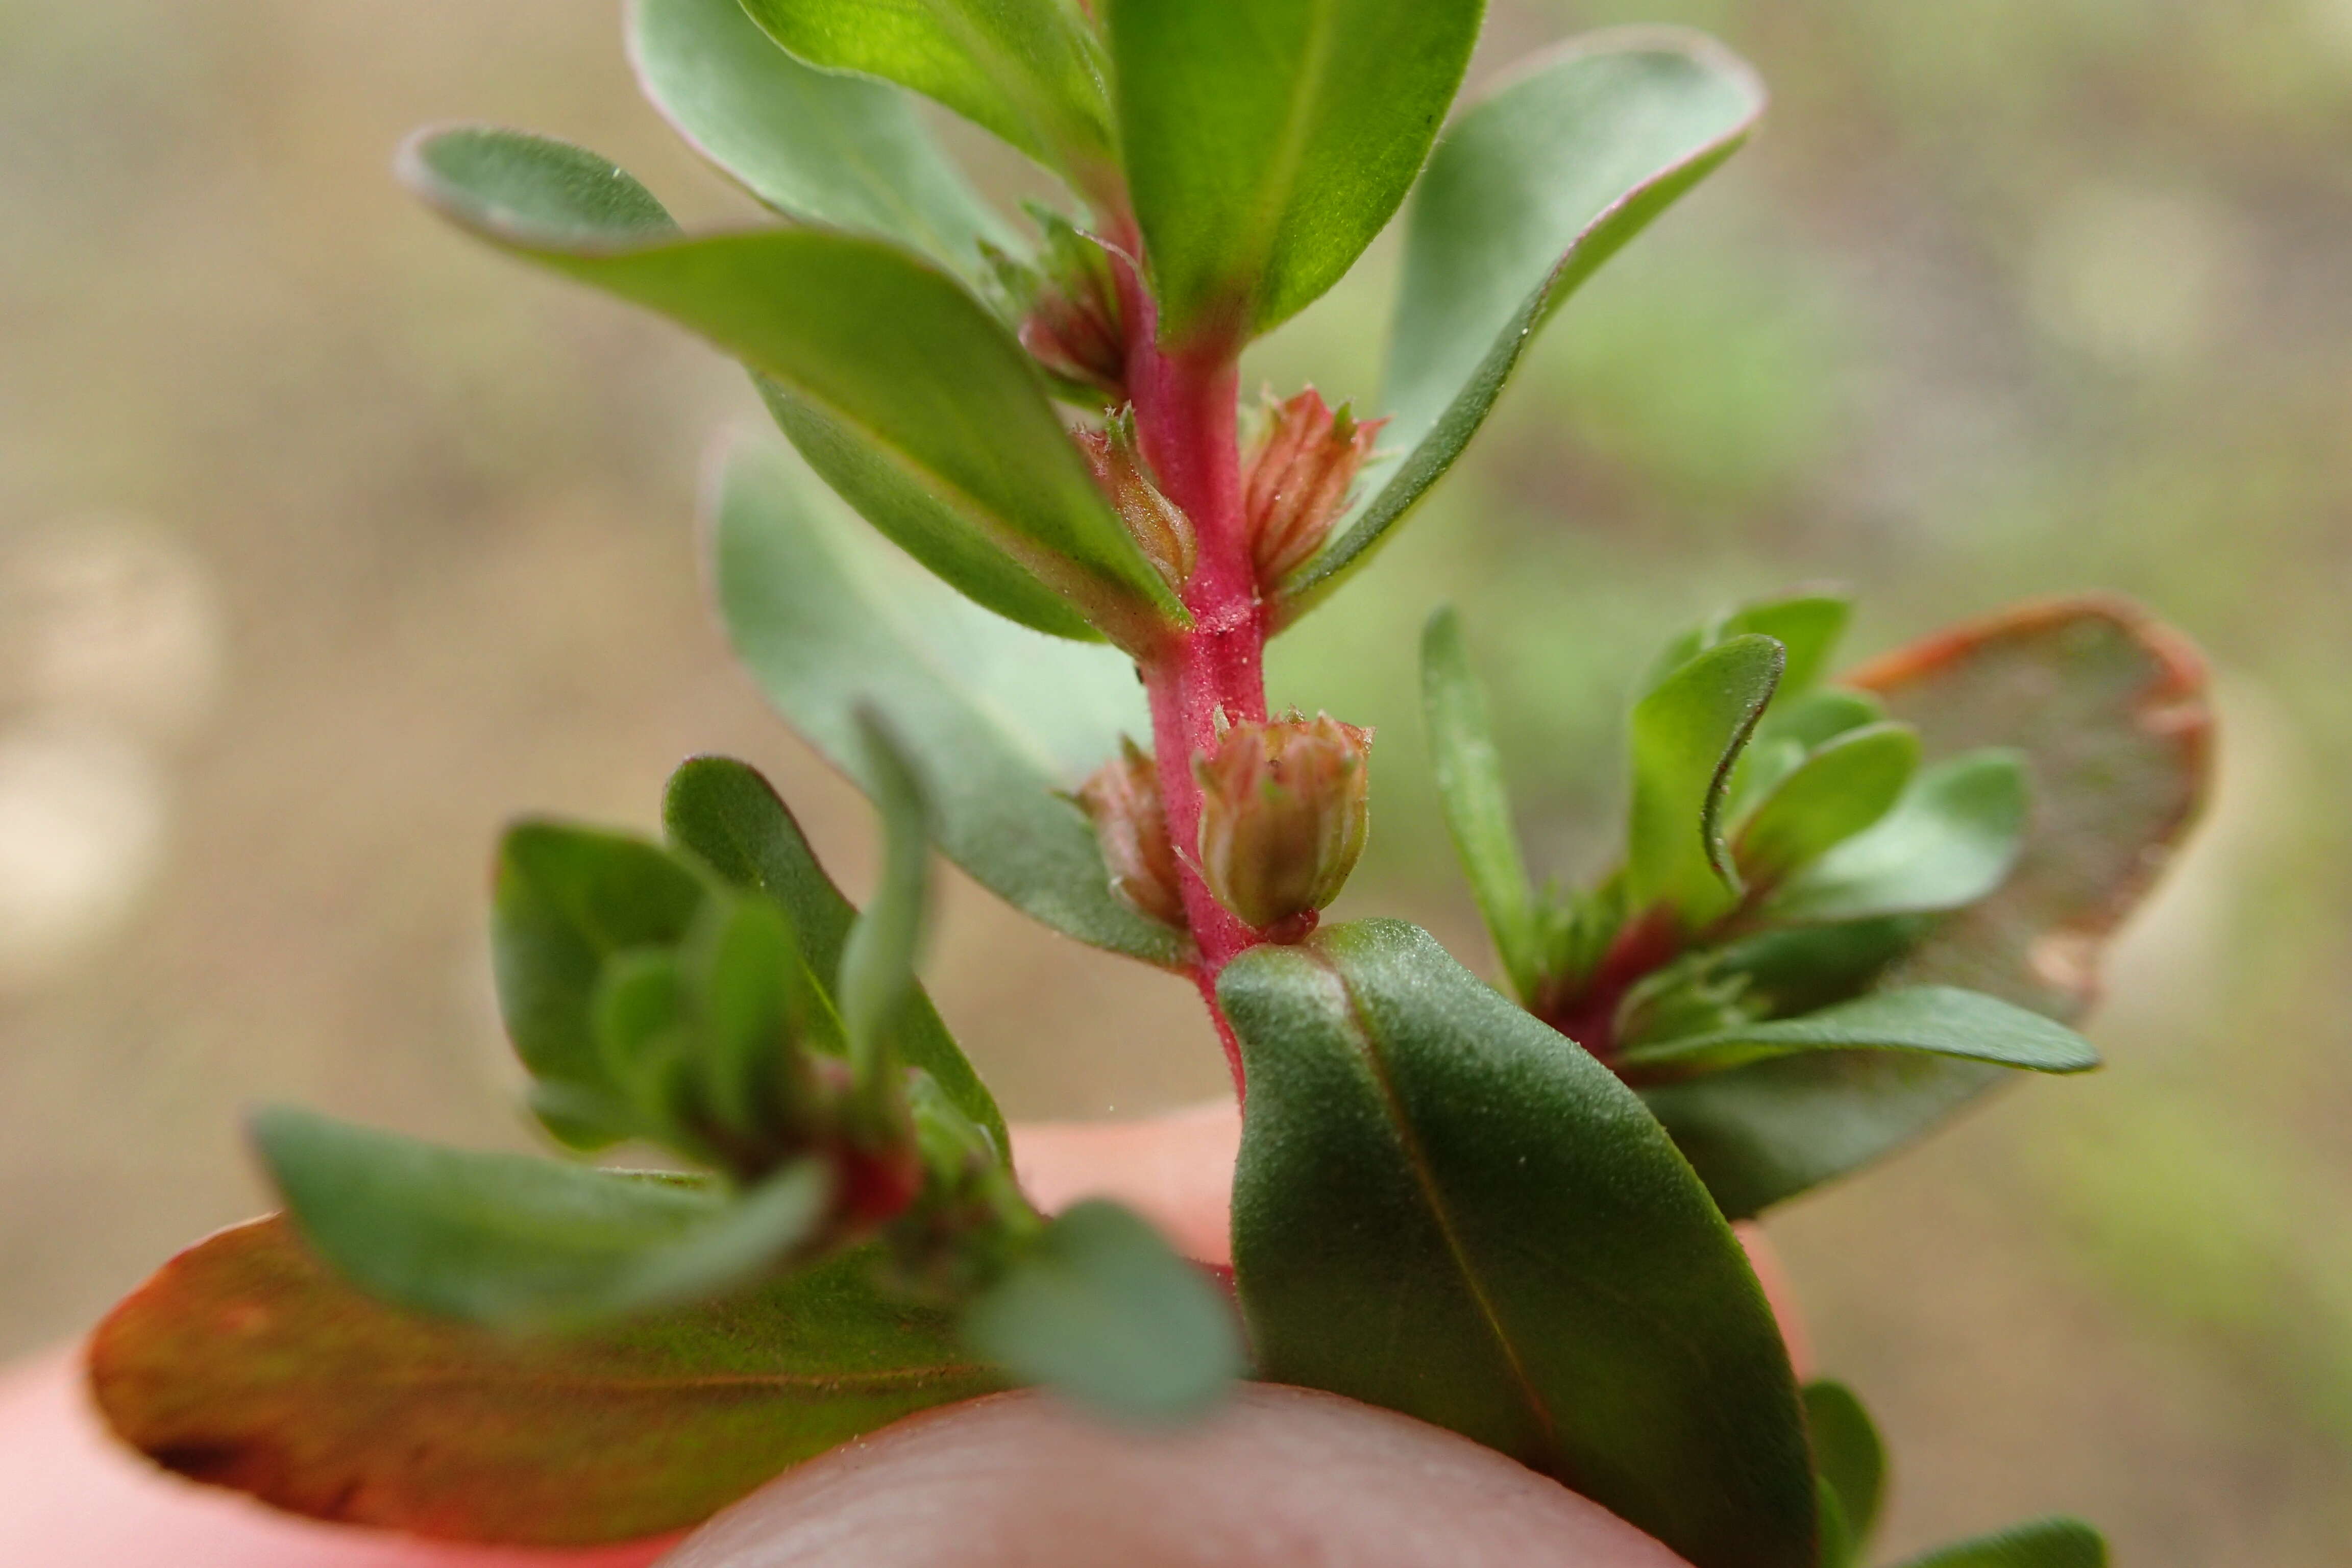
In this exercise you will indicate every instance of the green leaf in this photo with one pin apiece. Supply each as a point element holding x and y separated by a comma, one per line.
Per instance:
<point>1761,1134</point>
<point>1811,719</point>
<point>1446,1207</point>
<point>2108,706</point>
<point>821,642</point>
<point>725,813</point>
<point>877,960</point>
<point>245,1363</point>
<point>2044,1543</point>
<point>514,1241</point>
<point>1808,625</point>
<point>1527,193</point>
<point>1099,1310</point>
<point>1946,843</point>
<point>1847,1455</point>
<point>1478,805</point>
<point>567,899</point>
<point>1268,140</point>
<point>1839,790</point>
<point>1685,736</point>
<point>910,399</point>
<point>1026,69</point>
<point>816,146</point>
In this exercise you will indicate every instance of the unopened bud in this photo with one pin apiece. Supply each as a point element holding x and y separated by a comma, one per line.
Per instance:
<point>1295,478</point>
<point>1072,322</point>
<point>1158,525</point>
<point>1284,808</point>
<point>1131,825</point>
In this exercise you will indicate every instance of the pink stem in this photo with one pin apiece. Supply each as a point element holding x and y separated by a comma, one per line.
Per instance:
<point>1187,406</point>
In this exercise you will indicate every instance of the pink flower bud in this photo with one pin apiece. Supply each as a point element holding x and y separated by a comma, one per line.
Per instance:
<point>1295,479</point>
<point>1284,808</point>
<point>1131,825</point>
<point>1161,530</point>
<point>1071,322</point>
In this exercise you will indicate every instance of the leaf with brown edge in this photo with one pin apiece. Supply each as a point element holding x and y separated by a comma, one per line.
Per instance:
<point>2109,707</point>
<point>244,1364</point>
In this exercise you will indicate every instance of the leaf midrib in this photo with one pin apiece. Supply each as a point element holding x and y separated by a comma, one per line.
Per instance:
<point>1426,1182</point>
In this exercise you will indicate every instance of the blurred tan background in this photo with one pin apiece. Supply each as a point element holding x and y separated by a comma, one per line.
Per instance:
<point>328,541</point>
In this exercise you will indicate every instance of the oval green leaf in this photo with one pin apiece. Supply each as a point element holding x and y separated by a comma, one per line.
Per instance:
<point>1941,1020</point>
<point>1476,802</point>
<point>1847,1455</point>
<point>725,813</point>
<point>1267,142</point>
<point>1099,1310</point>
<point>1838,790</point>
<point>514,1241</point>
<point>244,1362</point>
<point>2044,1543</point>
<point>1950,841</point>
<point>1527,192</point>
<point>990,722</point>
<point>1446,1207</point>
<point>815,145</point>
<point>1686,737</point>
<point>909,398</point>
<point>1026,69</point>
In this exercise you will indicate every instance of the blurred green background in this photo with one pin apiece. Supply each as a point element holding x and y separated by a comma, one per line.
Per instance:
<point>329,540</point>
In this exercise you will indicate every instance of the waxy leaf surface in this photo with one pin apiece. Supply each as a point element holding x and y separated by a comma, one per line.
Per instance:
<point>245,1363</point>
<point>1952,837</point>
<point>1101,1311</point>
<point>725,813</point>
<point>1841,788</point>
<point>1937,1019</point>
<point>2046,1543</point>
<point>1478,804</point>
<point>517,1241</point>
<point>1527,193</point>
<point>1447,1208</point>
<point>823,639</point>
<point>878,962</point>
<point>1847,1455</point>
<point>1686,734</point>
<point>815,145</point>
<point>1023,69</point>
<point>1268,140</point>
<point>911,399</point>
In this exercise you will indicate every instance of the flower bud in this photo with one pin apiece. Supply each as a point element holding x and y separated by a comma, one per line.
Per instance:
<point>1131,825</point>
<point>1295,479</point>
<point>1072,322</point>
<point>1158,526</point>
<point>1284,808</point>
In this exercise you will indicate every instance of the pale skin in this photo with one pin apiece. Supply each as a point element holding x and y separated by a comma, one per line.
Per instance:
<point>1281,1479</point>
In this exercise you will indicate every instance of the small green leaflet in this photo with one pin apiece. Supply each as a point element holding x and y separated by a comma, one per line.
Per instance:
<point>1686,734</point>
<point>1477,804</point>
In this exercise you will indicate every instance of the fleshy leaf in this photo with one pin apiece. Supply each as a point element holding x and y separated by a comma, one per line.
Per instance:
<point>1948,842</point>
<point>910,399</point>
<point>877,960</point>
<point>1099,1310</point>
<point>815,145</point>
<point>725,813</point>
<point>1026,69</point>
<point>567,899</point>
<point>2108,706</point>
<point>1937,1019</point>
<point>245,1363</point>
<point>1810,625</point>
<point>1838,790</point>
<point>1527,193</point>
<point>821,641</point>
<point>1761,1134</point>
<point>1266,142</point>
<point>1445,1207</point>
<point>1477,804</point>
<point>1847,1455</point>
<point>2044,1543</point>
<point>1686,734</point>
<point>515,1241</point>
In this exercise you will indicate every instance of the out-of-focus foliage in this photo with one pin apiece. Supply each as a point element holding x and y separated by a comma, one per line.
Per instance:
<point>2007,298</point>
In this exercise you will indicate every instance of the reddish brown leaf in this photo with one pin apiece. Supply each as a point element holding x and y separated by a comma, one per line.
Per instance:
<point>242,1362</point>
<point>2109,706</point>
